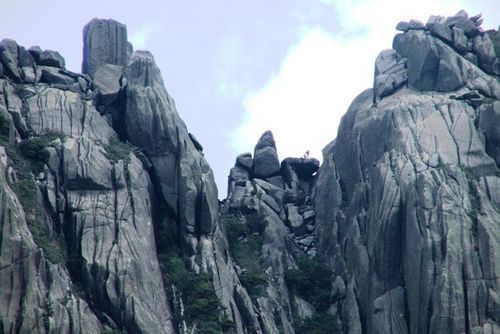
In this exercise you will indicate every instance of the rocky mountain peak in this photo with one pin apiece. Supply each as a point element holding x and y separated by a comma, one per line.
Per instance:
<point>110,219</point>
<point>442,55</point>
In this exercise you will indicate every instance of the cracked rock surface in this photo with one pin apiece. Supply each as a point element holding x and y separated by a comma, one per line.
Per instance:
<point>410,224</point>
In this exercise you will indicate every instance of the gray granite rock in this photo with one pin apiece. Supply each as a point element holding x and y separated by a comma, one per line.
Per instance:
<point>107,79</point>
<point>51,58</point>
<point>9,58</point>
<point>53,75</point>
<point>442,32</point>
<point>459,40</point>
<point>245,160</point>
<point>373,199</point>
<point>265,162</point>
<point>390,73</point>
<point>104,42</point>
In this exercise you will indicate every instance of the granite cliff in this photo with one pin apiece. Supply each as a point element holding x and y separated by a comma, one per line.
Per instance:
<point>110,219</point>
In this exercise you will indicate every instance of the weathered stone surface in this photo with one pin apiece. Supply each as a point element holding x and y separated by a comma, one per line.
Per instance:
<point>378,195</point>
<point>24,265</point>
<point>245,160</point>
<point>442,32</point>
<point>412,25</point>
<point>107,79</point>
<point>431,65</point>
<point>402,26</point>
<point>180,170</point>
<point>25,58</point>
<point>390,73</point>
<point>35,51</point>
<point>265,162</point>
<point>53,75</point>
<point>434,19</point>
<point>304,167</point>
<point>459,40</point>
<point>237,175</point>
<point>389,313</point>
<point>51,58</point>
<point>104,42</point>
<point>9,57</point>
<point>295,220</point>
<point>196,143</point>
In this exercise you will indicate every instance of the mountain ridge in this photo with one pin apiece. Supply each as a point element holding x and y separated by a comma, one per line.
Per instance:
<point>111,223</point>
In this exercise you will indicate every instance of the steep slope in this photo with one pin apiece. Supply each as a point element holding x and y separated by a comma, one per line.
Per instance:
<point>87,208</point>
<point>407,197</point>
<point>110,211</point>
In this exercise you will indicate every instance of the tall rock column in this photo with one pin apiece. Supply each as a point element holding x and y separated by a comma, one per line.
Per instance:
<point>104,42</point>
<point>179,169</point>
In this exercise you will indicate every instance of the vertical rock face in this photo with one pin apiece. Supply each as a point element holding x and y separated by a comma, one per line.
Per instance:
<point>407,211</point>
<point>185,180</point>
<point>104,42</point>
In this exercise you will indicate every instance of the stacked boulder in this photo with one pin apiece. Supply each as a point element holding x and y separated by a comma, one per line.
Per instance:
<point>35,65</point>
<point>272,200</point>
<point>261,183</point>
<point>442,55</point>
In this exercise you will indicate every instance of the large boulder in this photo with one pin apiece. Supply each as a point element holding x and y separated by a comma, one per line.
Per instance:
<point>304,167</point>
<point>104,42</point>
<point>51,58</point>
<point>431,64</point>
<point>9,57</point>
<point>266,162</point>
<point>107,80</point>
<point>390,73</point>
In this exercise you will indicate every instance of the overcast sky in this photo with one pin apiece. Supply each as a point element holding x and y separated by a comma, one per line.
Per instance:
<point>238,68</point>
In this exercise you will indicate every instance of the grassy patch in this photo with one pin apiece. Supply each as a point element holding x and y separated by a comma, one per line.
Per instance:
<point>245,248</point>
<point>27,158</point>
<point>201,306</point>
<point>312,281</point>
<point>118,150</point>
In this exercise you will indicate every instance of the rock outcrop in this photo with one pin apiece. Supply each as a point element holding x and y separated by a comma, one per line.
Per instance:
<point>110,211</point>
<point>269,219</point>
<point>407,211</point>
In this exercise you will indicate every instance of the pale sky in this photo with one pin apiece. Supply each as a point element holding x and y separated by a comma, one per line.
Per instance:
<point>239,68</point>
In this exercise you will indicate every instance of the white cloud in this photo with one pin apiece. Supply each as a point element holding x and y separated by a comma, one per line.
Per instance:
<point>303,103</point>
<point>141,37</point>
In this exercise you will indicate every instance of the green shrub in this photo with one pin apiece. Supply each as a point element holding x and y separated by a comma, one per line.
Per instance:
<point>4,128</point>
<point>312,281</point>
<point>318,324</point>
<point>234,229</point>
<point>118,150</point>
<point>47,313</point>
<point>24,162</point>
<point>245,248</point>
<point>201,306</point>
